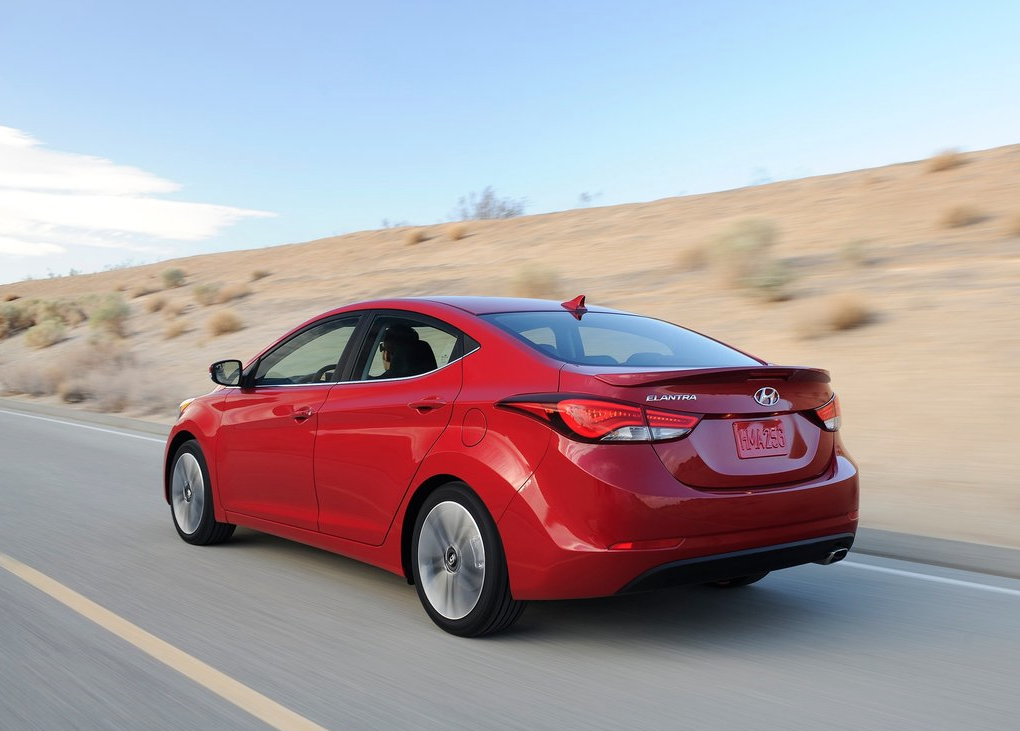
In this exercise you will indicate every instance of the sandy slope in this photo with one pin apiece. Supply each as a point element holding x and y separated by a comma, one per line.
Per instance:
<point>928,387</point>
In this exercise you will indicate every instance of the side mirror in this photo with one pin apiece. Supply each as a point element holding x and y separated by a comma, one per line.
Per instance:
<point>226,372</point>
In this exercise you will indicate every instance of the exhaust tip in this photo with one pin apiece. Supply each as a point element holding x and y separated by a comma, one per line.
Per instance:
<point>838,555</point>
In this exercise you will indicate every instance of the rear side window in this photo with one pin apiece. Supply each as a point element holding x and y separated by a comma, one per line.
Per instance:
<point>612,339</point>
<point>399,346</point>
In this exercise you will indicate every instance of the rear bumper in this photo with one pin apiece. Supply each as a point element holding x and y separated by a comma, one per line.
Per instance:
<point>575,529</point>
<point>740,563</point>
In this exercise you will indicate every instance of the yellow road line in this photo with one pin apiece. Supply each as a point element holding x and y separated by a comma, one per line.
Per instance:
<point>266,710</point>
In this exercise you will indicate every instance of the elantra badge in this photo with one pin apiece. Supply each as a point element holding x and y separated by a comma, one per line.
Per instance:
<point>767,396</point>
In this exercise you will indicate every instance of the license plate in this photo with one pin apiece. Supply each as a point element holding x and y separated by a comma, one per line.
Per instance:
<point>760,439</point>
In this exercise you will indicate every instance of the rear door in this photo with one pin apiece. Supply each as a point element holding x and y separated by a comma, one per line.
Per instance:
<point>377,425</point>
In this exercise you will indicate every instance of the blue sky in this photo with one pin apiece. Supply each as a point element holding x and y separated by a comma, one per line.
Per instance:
<point>221,125</point>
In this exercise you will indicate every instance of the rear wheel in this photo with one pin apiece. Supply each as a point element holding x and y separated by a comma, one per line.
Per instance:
<point>739,581</point>
<point>191,500</point>
<point>459,568</point>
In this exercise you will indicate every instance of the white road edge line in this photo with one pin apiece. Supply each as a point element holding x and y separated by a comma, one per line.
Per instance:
<point>84,426</point>
<point>929,577</point>
<point>250,701</point>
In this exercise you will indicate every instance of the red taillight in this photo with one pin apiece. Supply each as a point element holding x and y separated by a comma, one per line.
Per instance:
<point>599,420</point>
<point>830,415</point>
<point>596,419</point>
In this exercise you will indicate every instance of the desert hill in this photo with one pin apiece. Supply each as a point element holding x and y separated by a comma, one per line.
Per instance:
<point>903,281</point>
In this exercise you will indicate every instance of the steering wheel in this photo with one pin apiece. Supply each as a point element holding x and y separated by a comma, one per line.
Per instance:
<point>318,375</point>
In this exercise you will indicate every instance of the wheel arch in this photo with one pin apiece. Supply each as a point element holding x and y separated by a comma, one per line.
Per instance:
<point>171,449</point>
<point>418,499</point>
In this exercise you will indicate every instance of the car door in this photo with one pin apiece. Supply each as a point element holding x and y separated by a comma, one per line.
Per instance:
<point>376,426</point>
<point>267,433</point>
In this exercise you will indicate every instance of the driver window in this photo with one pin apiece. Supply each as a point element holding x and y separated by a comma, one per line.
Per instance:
<point>310,356</point>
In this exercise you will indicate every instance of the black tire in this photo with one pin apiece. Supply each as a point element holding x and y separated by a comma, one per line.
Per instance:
<point>739,581</point>
<point>469,588</point>
<point>191,499</point>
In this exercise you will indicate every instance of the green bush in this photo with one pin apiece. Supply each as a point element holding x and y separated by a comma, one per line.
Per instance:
<point>172,277</point>
<point>110,315</point>
<point>743,254</point>
<point>206,294</point>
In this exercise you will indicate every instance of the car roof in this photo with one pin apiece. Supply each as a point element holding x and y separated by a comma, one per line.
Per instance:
<point>477,305</point>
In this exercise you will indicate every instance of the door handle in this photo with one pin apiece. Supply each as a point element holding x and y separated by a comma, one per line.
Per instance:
<point>303,413</point>
<point>427,404</point>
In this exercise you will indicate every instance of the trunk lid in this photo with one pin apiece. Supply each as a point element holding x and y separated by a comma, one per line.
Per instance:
<point>740,442</point>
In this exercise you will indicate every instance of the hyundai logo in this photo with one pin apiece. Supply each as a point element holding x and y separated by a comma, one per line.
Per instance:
<point>767,396</point>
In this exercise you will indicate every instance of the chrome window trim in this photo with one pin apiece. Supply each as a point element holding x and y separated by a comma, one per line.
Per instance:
<point>367,380</point>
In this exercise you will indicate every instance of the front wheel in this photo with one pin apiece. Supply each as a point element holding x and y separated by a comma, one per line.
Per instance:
<point>459,568</point>
<point>191,500</point>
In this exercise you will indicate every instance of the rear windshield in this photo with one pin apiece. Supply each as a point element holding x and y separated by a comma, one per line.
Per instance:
<point>611,339</point>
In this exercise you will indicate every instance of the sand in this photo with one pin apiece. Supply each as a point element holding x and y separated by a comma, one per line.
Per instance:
<point>928,384</point>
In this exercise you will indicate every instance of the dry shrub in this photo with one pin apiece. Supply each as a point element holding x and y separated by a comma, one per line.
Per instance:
<point>856,252</point>
<point>111,394</point>
<point>45,334</point>
<point>232,292</point>
<point>536,281</point>
<point>16,317</point>
<point>848,312</point>
<point>945,160</point>
<point>155,304</point>
<point>74,391</point>
<point>173,329</point>
<point>71,313</point>
<point>414,236</point>
<point>136,292</point>
<point>692,258</point>
<point>95,369</point>
<point>961,216</point>
<point>456,231</point>
<point>259,274</point>
<point>174,309</point>
<point>43,310</point>
<point>11,297</point>
<point>30,379</point>
<point>770,280</point>
<point>743,256</point>
<point>739,250</point>
<point>110,315</point>
<point>206,294</point>
<point>837,314</point>
<point>223,322</point>
<point>68,312</point>
<point>172,278</point>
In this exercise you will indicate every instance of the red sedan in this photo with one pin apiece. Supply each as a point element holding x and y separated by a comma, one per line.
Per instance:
<point>494,451</point>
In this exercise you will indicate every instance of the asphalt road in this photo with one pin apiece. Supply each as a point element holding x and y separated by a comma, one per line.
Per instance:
<point>869,644</point>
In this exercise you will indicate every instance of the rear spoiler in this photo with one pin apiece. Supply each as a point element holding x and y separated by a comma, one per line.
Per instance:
<point>791,374</point>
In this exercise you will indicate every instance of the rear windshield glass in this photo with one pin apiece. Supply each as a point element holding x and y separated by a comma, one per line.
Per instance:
<point>610,339</point>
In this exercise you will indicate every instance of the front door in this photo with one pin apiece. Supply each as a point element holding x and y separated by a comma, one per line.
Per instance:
<point>267,434</point>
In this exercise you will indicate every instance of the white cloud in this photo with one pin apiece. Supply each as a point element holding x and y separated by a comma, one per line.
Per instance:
<point>62,206</point>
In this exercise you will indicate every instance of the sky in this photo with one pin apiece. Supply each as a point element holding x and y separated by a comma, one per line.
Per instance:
<point>133,132</point>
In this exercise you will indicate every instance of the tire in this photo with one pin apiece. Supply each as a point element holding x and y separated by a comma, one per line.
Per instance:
<point>739,581</point>
<point>459,567</point>
<point>191,499</point>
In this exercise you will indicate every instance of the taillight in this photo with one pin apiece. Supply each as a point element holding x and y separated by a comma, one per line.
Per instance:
<point>599,420</point>
<point>830,415</point>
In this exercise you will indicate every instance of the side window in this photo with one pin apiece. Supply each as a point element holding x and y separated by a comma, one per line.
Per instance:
<point>400,347</point>
<point>311,356</point>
